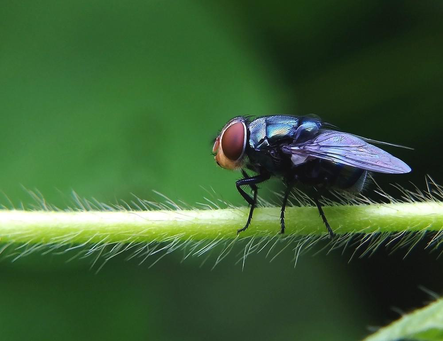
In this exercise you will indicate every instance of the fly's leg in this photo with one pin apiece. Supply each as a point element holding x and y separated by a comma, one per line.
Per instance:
<point>284,203</point>
<point>250,181</point>
<point>250,214</point>
<point>324,219</point>
<point>246,176</point>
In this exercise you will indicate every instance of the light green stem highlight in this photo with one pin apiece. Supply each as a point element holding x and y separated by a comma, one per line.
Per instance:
<point>139,226</point>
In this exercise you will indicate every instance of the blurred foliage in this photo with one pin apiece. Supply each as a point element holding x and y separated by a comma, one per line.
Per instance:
<point>112,99</point>
<point>423,324</point>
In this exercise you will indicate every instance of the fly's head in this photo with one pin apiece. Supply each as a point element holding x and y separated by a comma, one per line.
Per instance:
<point>229,146</point>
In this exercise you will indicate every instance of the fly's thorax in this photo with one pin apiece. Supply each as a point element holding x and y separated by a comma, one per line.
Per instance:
<point>267,136</point>
<point>271,160</point>
<point>269,131</point>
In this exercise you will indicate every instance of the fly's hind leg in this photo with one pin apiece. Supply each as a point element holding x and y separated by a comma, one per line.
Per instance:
<point>284,204</point>
<point>324,219</point>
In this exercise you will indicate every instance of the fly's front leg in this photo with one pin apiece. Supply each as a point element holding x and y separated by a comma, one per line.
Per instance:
<point>250,181</point>
<point>252,185</point>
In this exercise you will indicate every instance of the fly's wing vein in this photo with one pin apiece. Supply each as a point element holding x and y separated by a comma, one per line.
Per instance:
<point>349,150</point>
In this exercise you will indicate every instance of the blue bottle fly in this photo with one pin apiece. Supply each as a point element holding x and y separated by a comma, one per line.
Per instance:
<point>299,150</point>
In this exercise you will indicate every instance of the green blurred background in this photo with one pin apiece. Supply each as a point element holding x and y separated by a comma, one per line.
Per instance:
<point>111,99</point>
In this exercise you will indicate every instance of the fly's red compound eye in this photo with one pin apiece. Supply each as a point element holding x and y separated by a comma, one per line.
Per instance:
<point>229,146</point>
<point>233,141</point>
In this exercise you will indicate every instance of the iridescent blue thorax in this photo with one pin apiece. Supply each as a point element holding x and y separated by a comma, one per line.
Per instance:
<point>268,134</point>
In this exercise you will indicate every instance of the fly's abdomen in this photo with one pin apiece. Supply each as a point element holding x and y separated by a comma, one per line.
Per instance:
<point>321,173</point>
<point>349,178</point>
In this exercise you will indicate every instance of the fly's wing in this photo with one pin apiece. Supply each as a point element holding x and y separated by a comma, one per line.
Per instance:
<point>347,149</point>
<point>366,139</point>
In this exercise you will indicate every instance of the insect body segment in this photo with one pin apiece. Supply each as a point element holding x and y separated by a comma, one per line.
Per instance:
<point>299,149</point>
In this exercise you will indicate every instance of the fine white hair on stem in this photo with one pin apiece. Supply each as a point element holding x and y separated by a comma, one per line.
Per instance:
<point>147,231</point>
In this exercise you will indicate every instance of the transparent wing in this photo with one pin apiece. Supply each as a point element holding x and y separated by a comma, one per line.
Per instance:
<point>366,139</point>
<point>349,150</point>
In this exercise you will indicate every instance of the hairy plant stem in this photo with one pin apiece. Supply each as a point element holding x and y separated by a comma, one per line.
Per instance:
<point>46,227</point>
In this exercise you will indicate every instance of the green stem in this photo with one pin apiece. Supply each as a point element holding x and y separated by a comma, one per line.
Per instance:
<point>48,227</point>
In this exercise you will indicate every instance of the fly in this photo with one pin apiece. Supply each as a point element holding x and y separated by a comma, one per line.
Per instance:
<point>299,150</point>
